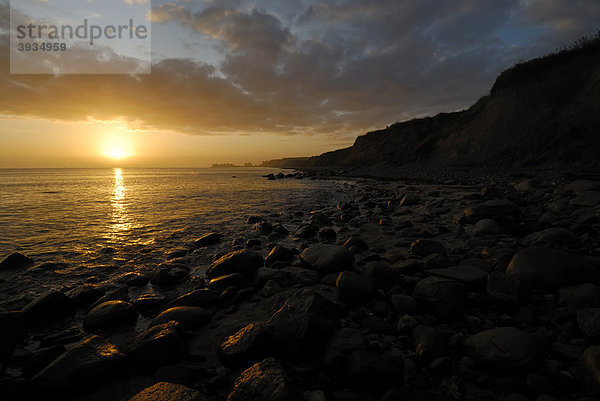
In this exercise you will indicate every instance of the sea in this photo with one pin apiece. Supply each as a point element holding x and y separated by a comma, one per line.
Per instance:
<point>128,219</point>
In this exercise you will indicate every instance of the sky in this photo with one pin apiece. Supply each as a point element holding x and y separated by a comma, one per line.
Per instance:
<point>245,81</point>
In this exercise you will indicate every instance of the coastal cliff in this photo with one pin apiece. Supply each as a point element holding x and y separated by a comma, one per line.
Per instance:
<point>543,112</point>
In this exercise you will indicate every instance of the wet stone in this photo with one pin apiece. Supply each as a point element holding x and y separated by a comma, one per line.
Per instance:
<point>327,258</point>
<point>86,364</point>
<point>15,261</point>
<point>111,315</point>
<point>244,262</point>
<point>190,317</point>
<point>158,346</point>
<point>168,391</point>
<point>504,349</point>
<point>265,381</point>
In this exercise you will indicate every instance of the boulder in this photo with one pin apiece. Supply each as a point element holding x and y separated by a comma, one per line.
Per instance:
<point>487,227</point>
<point>369,371</point>
<point>110,315</point>
<point>381,274</point>
<point>265,381</point>
<point>353,289</point>
<point>500,210</point>
<point>12,331</point>
<point>465,274</point>
<point>444,298</point>
<point>48,306</point>
<point>220,283</point>
<point>403,304</point>
<point>158,346</point>
<point>190,317</point>
<point>248,344</point>
<point>203,298</point>
<point>505,349</point>
<point>580,185</point>
<point>326,258</point>
<point>586,199</point>
<point>426,247</point>
<point>168,391</point>
<point>588,320</point>
<point>430,343</point>
<point>356,245</point>
<point>550,269</point>
<point>245,262</point>
<point>88,363</point>
<point>300,328</point>
<point>591,363</point>
<point>169,275</point>
<point>503,289</point>
<point>207,240</point>
<point>15,261</point>
<point>279,254</point>
<point>85,295</point>
<point>342,343</point>
<point>580,296</point>
<point>552,238</point>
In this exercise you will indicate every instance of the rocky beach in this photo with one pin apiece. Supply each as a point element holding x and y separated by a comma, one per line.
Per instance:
<point>453,289</point>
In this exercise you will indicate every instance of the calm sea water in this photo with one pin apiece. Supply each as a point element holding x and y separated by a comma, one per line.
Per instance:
<point>87,217</point>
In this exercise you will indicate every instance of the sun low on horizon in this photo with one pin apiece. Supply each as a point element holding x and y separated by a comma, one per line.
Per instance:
<point>116,147</point>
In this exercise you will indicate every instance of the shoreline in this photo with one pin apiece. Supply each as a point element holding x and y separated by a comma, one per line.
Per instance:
<point>399,292</point>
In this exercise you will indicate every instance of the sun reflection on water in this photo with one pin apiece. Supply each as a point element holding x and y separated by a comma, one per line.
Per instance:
<point>121,221</point>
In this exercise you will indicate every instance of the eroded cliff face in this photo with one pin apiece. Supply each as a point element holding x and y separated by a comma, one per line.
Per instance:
<point>542,112</point>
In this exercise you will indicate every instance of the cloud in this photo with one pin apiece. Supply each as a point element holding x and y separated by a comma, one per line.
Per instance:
<point>328,67</point>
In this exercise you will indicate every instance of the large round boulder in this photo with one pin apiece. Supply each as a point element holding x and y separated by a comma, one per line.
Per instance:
<point>245,262</point>
<point>504,349</point>
<point>110,315</point>
<point>550,269</point>
<point>327,258</point>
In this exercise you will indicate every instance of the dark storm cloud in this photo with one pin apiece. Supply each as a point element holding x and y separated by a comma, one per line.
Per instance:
<point>320,67</point>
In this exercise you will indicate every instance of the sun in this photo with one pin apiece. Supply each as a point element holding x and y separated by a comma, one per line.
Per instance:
<point>116,147</point>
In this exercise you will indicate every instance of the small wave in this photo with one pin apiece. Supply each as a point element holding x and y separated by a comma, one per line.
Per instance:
<point>52,192</point>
